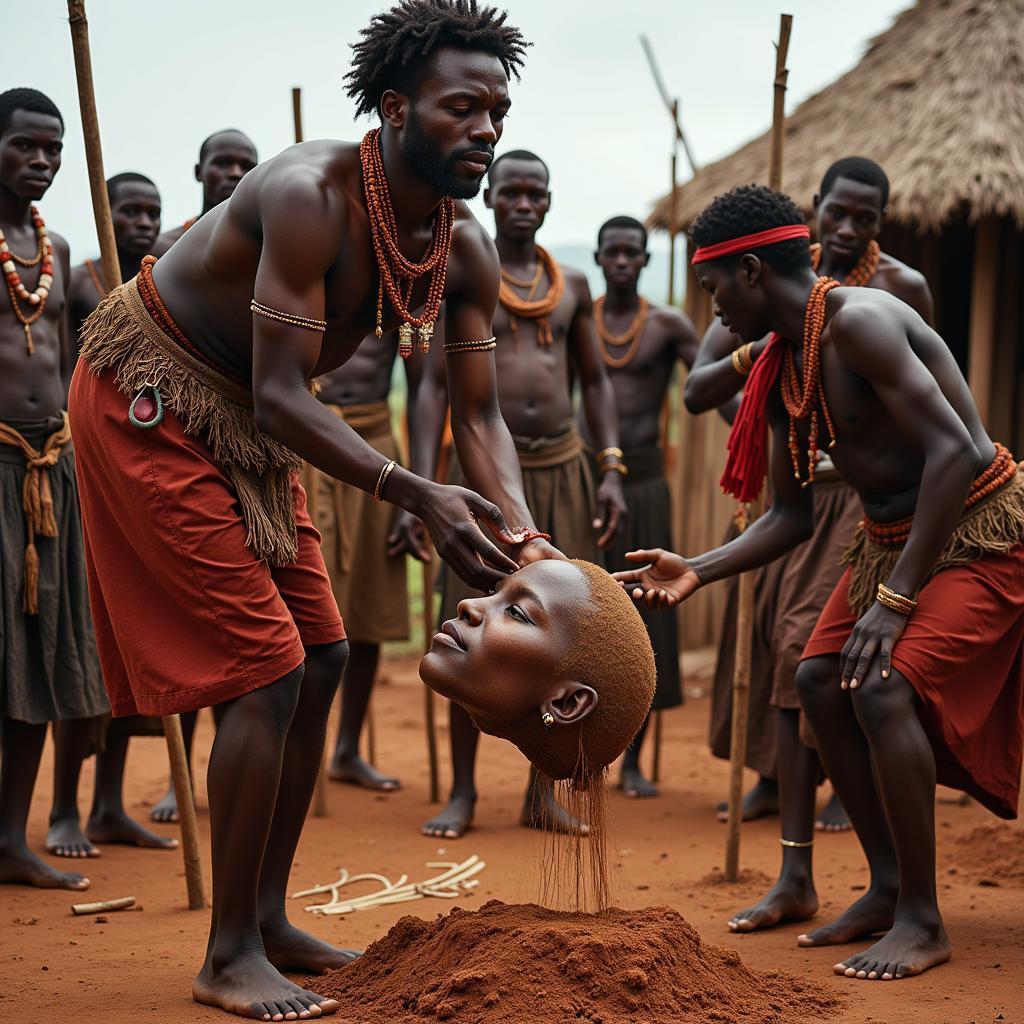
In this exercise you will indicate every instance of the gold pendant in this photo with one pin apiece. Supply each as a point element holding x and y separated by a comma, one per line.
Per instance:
<point>426,332</point>
<point>405,340</point>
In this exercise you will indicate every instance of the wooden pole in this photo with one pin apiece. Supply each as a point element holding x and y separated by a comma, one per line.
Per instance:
<point>428,693</point>
<point>984,295</point>
<point>673,209</point>
<point>745,603</point>
<point>297,111</point>
<point>112,276</point>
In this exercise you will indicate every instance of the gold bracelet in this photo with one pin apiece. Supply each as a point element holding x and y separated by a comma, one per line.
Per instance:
<point>378,491</point>
<point>790,845</point>
<point>741,360</point>
<point>897,602</point>
<point>292,319</point>
<point>610,450</point>
<point>484,345</point>
<point>613,467</point>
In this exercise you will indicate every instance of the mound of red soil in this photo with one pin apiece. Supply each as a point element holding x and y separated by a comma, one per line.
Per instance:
<point>992,853</point>
<point>528,965</point>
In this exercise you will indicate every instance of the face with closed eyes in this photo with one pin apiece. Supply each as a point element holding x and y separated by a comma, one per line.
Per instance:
<point>499,659</point>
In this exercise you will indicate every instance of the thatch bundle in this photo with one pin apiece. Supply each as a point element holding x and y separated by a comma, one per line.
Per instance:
<point>937,100</point>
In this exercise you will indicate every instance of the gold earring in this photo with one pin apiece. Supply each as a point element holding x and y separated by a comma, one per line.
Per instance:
<point>548,719</point>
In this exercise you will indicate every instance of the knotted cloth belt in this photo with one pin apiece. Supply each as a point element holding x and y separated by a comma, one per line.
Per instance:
<point>548,452</point>
<point>36,499</point>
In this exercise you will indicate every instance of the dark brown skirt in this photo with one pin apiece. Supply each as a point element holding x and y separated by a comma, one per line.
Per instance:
<point>50,670</point>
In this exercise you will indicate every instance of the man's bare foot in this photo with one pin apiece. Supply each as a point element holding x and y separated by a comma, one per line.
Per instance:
<point>760,802</point>
<point>66,839</point>
<point>541,810</point>
<point>290,949</point>
<point>119,828</point>
<point>454,820</point>
<point>909,948</point>
<point>636,785</point>
<point>21,866</point>
<point>165,811</point>
<point>787,900</point>
<point>872,913</point>
<point>357,772</point>
<point>833,817</point>
<point>251,987</point>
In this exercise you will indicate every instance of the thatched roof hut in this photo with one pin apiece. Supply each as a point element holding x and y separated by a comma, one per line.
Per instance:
<point>938,101</point>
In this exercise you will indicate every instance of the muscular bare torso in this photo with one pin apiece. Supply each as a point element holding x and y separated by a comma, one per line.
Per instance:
<point>367,375</point>
<point>873,454</point>
<point>210,275</point>
<point>534,380</point>
<point>31,386</point>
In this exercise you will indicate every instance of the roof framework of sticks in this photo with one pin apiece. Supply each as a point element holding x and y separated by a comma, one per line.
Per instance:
<point>937,100</point>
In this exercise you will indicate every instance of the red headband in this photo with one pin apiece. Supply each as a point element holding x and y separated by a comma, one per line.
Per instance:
<point>748,242</point>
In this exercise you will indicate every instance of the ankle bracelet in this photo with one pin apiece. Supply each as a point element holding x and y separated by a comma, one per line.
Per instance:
<point>790,845</point>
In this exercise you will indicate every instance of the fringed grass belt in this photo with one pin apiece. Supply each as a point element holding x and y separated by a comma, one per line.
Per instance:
<point>36,500</point>
<point>992,523</point>
<point>132,333</point>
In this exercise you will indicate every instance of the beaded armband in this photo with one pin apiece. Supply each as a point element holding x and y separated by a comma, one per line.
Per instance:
<point>897,602</point>
<point>292,319</point>
<point>483,345</point>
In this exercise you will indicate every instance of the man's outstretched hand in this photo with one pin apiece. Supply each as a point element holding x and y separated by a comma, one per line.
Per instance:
<point>663,579</point>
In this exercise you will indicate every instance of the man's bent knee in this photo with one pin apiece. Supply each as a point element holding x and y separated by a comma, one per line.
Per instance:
<point>325,664</point>
<point>814,675</point>
<point>877,702</point>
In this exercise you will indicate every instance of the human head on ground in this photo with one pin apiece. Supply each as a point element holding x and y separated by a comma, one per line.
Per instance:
<point>743,284</point>
<point>225,157</point>
<point>31,142</point>
<point>622,252</point>
<point>519,194</point>
<point>850,207</point>
<point>558,642</point>
<point>135,211</point>
<point>436,73</point>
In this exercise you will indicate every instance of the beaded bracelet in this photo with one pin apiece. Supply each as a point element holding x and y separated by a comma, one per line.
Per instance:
<point>484,345</point>
<point>897,602</point>
<point>292,319</point>
<point>378,491</point>
<point>530,535</point>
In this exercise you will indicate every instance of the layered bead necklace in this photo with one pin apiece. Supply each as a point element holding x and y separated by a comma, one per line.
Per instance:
<point>395,271</point>
<point>530,308</point>
<point>16,290</point>
<point>864,270</point>
<point>801,399</point>
<point>630,337</point>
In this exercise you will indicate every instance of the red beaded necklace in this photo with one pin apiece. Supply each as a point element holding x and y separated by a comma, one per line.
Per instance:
<point>394,269</point>
<point>16,290</point>
<point>865,269</point>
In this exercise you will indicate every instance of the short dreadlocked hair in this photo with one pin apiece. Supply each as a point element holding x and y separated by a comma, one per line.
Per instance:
<point>397,44</point>
<point>749,209</point>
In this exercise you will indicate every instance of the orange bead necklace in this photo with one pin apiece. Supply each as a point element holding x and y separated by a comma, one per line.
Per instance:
<point>16,290</point>
<point>631,336</point>
<point>530,308</point>
<point>864,270</point>
<point>395,271</point>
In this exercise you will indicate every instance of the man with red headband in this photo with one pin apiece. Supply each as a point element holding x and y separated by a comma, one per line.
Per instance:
<point>915,670</point>
<point>791,592</point>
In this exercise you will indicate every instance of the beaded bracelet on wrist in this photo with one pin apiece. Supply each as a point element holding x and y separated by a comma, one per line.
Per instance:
<point>530,535</point>
<point>483,345</point>
<point>897,602</point>
<point>292,319</point>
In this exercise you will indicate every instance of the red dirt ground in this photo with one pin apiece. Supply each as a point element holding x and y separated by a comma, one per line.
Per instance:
<point>138,966</point>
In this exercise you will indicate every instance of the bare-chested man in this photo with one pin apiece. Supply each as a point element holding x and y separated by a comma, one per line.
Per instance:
<point>545,338</point>
<point>49,670</point>
<point>135,211</point>
<point>640,344</point>
<point>225,157</point>
<point>915,669</point>
<point>791,592</point>
<point>366,561</point>
<point>192,411</point>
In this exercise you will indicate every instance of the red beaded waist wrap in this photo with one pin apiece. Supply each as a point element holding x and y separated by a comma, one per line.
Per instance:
<point>132,333</point>
<point>992,523</point>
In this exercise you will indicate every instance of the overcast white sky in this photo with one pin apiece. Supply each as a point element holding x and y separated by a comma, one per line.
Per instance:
<point>167,74</point>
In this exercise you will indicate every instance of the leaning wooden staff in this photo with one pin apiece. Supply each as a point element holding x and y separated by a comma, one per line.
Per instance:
<point>745,603</point>
<point>111,265</point>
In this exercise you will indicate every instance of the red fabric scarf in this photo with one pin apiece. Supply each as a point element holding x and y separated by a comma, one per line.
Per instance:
<point>747,464</point>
